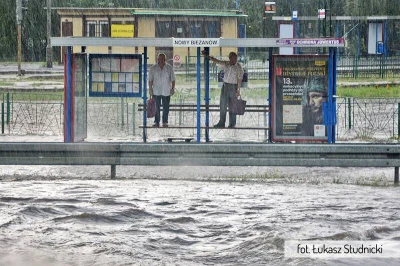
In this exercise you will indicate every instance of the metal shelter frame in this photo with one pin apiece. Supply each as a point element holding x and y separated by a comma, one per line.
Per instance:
<point>385,20</point>
<point>270,43</point>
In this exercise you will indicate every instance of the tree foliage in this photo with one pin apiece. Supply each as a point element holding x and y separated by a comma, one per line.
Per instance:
<point>34,22</point>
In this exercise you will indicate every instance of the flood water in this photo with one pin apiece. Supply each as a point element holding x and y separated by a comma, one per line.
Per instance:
<point>187,222</point>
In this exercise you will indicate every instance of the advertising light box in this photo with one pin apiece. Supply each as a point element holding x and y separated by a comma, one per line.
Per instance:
<point>300,90</point>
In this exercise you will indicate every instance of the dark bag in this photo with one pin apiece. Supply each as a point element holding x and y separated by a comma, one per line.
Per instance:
<point>237,106</point>
<point>151,108</point>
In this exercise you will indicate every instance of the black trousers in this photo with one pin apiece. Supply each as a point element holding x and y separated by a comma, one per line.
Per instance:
<point>228,92</point>
<point>164,101</point>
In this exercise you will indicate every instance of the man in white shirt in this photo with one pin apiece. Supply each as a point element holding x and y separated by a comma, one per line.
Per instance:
<point>233,75</point>
<point>161,86</point>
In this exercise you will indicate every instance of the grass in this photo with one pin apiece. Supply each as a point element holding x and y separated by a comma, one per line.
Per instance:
<point>364,79</point>
<point>382,91</point>
<point>370,92</point>
<point>34,96</point>
<point>6,83</point>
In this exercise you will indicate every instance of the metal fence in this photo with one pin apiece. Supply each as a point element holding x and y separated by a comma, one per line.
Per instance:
<point>257,64</point>
<point>27,114</point>
<point>372,118</point>
<point>378,66</point>
<point>375,119</point>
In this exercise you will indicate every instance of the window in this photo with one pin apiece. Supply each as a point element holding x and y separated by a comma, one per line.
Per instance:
<point>212,29</point>
<point>163,29</point>
<point>104,29</point>
<point>179,29</point>
<point>196,29</point>
<point>91,29</point>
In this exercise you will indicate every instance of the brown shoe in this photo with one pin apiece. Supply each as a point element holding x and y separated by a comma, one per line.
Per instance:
<point>165,125</point>
<point>156,125</point>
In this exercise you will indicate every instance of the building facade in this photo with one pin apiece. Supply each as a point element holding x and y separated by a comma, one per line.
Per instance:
<point>136,23</point>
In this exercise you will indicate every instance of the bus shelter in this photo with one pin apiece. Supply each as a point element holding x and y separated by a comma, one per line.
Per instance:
<point>291,79</point>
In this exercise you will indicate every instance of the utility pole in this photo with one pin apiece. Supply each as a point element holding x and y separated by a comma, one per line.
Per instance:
<point>19,22</point>
<point>49,50</point>
<point>330,19</point>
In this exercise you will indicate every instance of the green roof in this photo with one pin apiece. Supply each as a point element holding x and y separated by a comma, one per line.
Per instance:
<point>189,12</point>
<point>156,12</point>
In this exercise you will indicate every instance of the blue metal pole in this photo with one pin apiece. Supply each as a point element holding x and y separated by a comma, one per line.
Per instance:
<point>69,92</point>
<point>207,91</point>
<point>144,93</point>
<point>334,77</point>
<point>198,94</point>
<point>269,92</point>
<point>330,96</point>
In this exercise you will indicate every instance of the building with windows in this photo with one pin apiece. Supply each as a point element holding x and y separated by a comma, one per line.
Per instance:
<point>134,23</point>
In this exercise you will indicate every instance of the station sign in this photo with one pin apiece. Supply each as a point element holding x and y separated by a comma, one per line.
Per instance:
<point>321,13</point>
<point>311,42</point>
<point>269,7</point>
<point>294,15</point>
<point>195,42</point>
<point>177,61</point>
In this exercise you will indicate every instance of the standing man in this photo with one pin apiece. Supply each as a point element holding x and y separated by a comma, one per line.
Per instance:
<point>161,86</point>
<point>233,75</point>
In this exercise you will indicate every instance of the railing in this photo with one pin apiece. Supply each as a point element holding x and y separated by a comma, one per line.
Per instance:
<point>253,125</point>
<point>39,114</point>
<point>229,154</point>
<point>378,66</point>
<point>373,119</point>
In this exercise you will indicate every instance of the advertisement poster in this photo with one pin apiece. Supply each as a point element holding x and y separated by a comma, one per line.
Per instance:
<point>300,88</point>
<point>115,75</point>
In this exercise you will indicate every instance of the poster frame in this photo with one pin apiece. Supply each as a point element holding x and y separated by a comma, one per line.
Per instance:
<point>138,94</point>
<point>273,109</point>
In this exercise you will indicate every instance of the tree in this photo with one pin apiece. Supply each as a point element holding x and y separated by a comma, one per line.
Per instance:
<point>34,23</point>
